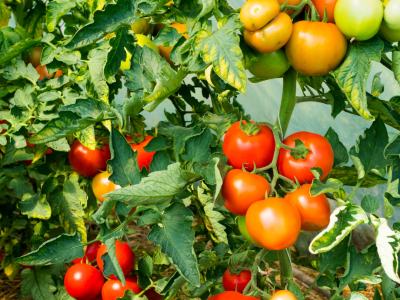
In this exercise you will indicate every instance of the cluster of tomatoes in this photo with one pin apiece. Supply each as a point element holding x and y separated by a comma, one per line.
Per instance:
<point>86,282</point>
<point>269,222</point>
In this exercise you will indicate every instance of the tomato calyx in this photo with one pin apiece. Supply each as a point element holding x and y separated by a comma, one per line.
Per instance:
<point>250,128</point>
<point>301,152</point>
<point>137,138</point>
<point>315,15</point>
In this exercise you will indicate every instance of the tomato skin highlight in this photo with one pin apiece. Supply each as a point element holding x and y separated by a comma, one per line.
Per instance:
<point>314,212</point>
<point>330,9</point>
<point>321,155</point>
<point>230,295</point>
<point>283,295</point>
<point>255,14</point>
<point>144,158</point>
<point>83,282</point>
<point>273,223</point>
<point>243,230</point>
<point>90,253</point>
<point>114,289</point>
<point>270,65</point>
<point>236,282</point>
<point>101,185</point>
<point>241,189</point>
<point>88,162</point>
<point>125,257</point>
<point>315,48</point>
<point>241,148</point>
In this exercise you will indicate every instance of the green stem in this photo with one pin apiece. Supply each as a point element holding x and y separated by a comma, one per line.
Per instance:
<point>285,265</point>
<point>386,62</point>
<point>216,107</point>
<point>312,284</point>
<point>288,99</point>
<point>178,110</point>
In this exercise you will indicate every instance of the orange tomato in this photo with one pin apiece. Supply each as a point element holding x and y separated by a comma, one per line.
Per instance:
<point>291,3</point>
<point>166,51</point>
<point>101,185</point>
<point>283,295</point>
<point>255,14</point>
<point>320,5</point>
<point>272,37</point>
<point>42,71</point>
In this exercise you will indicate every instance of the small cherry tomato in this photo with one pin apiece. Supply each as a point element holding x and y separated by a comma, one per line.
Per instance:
<point>35,60</point>
<point>273,223</point>
<point>83,282</point>
<point>272,36</point>
<point>88,162</point>
<point>144,158</point>
<point>270,65</point>
<point>320,155</point>
<point>234,296</point>
<point>255,14</point>
<point>241,148</point>
<point>241,189</point>
<point>90,253</point>
<point>243,230</point>
<point>320,6</point>
<point>233,282</point>
<point>283,295</point>
<point>42,71</point>
<point>166,51</point>
<point>315,212</point>
<point>125,257</point>
<point>389,34</point>
<point>114,289</point>
<point>101,185</point>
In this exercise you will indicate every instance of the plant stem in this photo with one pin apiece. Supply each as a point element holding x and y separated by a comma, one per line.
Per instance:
<point>178,110</point>
<point>312,284</point>
<point>285,264</point>
<point>386,62</point>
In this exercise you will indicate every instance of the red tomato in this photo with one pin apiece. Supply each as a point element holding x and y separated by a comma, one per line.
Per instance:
<point>241,189</point>
<point>315,212</point>
<point>321,155</point>
<point>83,282</point>
<point>233,282</point>
<point>88,162</point>
<point>273,223</point>
<point>113,288</point>
<point>90,253</point>
<point>125,256</point>
<point>144,158</point>
<point>283,295</point>
<point>99,297</point>
<point>101,185</point>
<point>330,9</point>
<point>234,296</point>
<point>3,122</point>
<point>213,297</point>
<point>241,148</point>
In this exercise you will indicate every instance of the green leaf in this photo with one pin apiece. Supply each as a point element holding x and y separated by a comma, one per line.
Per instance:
<point>339,150</point>
<point>55,10</point>
<point>69,57</point>
<point>357,296</point>
<point>396,65</point>
<point>145,265</point>
<point>18,48</point>
<point>38,283</point>
<point>87,137</point>
<point>18,70</point>
<point>135,78</point>
<point>49,96</point>
<point>377,86</point>
<point>369,204</point>
<point>353,73</point>
<point>349,176</point>
<point>106,21</point>
<point>330,186</point>
<point>35,206</point>
<point>295,290</point>
<point>111,264</point>
<point>343,220</point>
<point>21,186</point>
<point>197,148</point>
<point>219,123</point>
<point>176,238</point>
<point>159,162</point>
<point>156,144</point>
<point>117,54</point>
<point>221,49</point>
<point>5,14</point>
<point>96,85</point>
<point>167,37</point>
<point>191,11</point>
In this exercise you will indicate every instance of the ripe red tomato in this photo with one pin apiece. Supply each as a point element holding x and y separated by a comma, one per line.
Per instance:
<point>113,288</point>
<point>42,71</point>
<point>314,212</point>
<point>144,158</point>
<point>255,14</point>
<point>233,282</point>
<point>83,282</point>
<point>320,5</point>
<point>3,122</point>
<point>321,155</point>
<point>37,54</point>
<point>241,148</point>
<point>283,295</point>
<point>273,223</point>
<point>88,162</point>
<point>234,296</point>
<point>241,189</point>
<point>90,253</point>
<point>101,185</point>
<point>125,257</point>
<point>213,297</point>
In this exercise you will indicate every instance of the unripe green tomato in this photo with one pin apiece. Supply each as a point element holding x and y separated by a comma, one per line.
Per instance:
<point>244,232</point>
<point>359,19</point>
<point>142,26</point>
<point>142,40</point>
<point>392,14</point>
<point>389,34</point>
<point>270,65</point>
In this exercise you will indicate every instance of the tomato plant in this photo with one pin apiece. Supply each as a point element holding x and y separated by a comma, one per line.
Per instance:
<point>124,254</point>
<point>255,14</point>
<point>114,289</point>
<point>90,253</point>
<point>101,185</point>
<point>329,5</point>
<point>283,295</point>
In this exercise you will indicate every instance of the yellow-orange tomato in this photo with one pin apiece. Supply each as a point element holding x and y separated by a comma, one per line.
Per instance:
<point>271,37</point>
<point>101,186</point>
<point>273,223</point>
<point>166,51</point>
<point>255,14</point>
<point>42,71</point>
<point>315,212</point>
<point>315,48</point>
<point>283,295</point>
<point>291,3</point>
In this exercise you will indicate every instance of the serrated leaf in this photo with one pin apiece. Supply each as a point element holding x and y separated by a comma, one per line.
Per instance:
<point>55,10</point>
<point>167,37</point>
<point>145,265</point>
<point>159,162</point>
<point>339,150</point>
<point>219,123</point>
<point>330,186</point>
<point>21,186</point>
<point>38,283</point>
<point>18,48</point>
<point>97,85</point>
<point>111,264</point>
<point>353,73</point>
<point>35,206</point>
<point>18,70</point>
<point>197,148</point>
<point>117,54</point>
<point>87,137</point>
<point>69,57</point>
<point>369,204</point>
<point>396,65</point>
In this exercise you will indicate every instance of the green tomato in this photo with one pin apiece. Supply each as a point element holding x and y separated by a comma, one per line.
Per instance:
<point>244,232</point>
<point>359,19</point>
<point>392,14</point>
<point>142,26</point>
<point>270,65</point>
<point>389,34</point>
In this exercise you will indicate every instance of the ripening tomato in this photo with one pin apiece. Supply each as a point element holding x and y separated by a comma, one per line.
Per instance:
<point>273,223</point>
<point>291,3</point>
<point>142,26</point>
<point>125,257</point>
<point>101,185</point>
<point>114,289</point>
<point>241,148</point>
<point>392,14</point>
<point>255,14</point>
<point>315,48</point>
<point>272,36</point>
<point>35,60</point>
<point>166,51</point>
<point>315,212</point>
<point>389,34</point>
<point>83,282</point>
<point>42,71</point>
<point>283,295</point>
<point>320,155</point>
<point>359,19</point>
<point>270,65</point>
<point>243,230</point>
<point>320,5</point>
<point>236,282</point>
<point>88,162</point>
<point>144,158</point>
<point>90,253</point>
<point>230,295</point>
<point>241,189</point>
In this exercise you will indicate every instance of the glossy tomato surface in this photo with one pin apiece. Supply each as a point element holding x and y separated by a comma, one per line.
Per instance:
<point>359,19</point>
<point>114,289</point>
<point>315,48</point>
<point>236,282</point>
<point>101,185</point>
<point>283,295</point>
<point>320,155</point>
<point>273,223</point>
<point>272,36</point>
<point>229,295</point>
<point>241,148</point>
<point>270,65</point>
<point>241,189</point>
<point>315,212</point>
<point>83,282</point>
<point>389,34</point>
<point>320,5</point>
<point>90,253</point>
<point>125,257</point>
<point>243,230</point>
<point>144,158</point>
<point>255,14</point>
<point>166,51</point>
<point>88,162</point>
